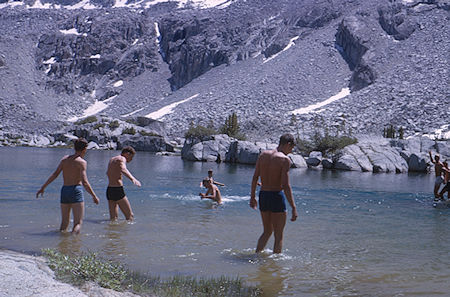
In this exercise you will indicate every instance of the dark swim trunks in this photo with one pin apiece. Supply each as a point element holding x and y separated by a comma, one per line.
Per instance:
<point>273,201</point>
<point>115,193</point>
<point>72,194</point>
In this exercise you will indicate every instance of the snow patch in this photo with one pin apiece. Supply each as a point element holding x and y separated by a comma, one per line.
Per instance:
<point>133,112</point>
<point>118,83</point>
<point>312,108</point>
<point>442,133</point>
<point>288,46</point>
<point>85,4</point>
<point>97,56</point>
<point>11,4</point>
<point>72,31</point>
<point>95,108</point>
<point>168,109</point>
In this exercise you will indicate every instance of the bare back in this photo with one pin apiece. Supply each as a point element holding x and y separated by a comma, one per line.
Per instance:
<point>115,167</point>
<point>271,164</point>
<point>72,167</point>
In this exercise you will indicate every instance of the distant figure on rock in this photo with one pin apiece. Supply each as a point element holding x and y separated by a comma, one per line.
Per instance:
<point>212,191</point>
<point>73,168</point>
<point>438,173</point>
<point>446,188</point>
<point>210,176</point>
<point>273,167</point>
<point>115,193</point>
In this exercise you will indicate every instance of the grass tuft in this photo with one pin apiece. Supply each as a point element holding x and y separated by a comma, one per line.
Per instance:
<point>89,267</point>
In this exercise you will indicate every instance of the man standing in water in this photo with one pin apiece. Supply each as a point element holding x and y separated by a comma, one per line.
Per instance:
<point>273,167</point>
<point>115,193</point>
<point>73,168</point>
<point>438,172</point>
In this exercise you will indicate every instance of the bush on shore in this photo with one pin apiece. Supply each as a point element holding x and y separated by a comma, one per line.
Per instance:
<point>89,267</point>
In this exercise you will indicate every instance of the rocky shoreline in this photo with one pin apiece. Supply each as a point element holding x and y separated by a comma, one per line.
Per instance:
<point>369,154</point>
<point>25,275</point>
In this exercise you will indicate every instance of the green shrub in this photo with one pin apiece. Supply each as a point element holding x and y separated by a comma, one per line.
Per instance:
<point>87,120</point>
<point>199,131</point>
<point>99,125</point>
<point>129,130</point>
<point>324,143</point>
<point>114,124</point>
<point>231,127</point>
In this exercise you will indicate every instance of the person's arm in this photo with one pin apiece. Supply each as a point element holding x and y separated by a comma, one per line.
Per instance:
<point>85,182</point>
<point>49,180</point>
<point>123,168</point>
<point>212,194</point>
<point>253,203</point>
<point>287,187</point>
<point>219,184</point>
<point>431,158</point>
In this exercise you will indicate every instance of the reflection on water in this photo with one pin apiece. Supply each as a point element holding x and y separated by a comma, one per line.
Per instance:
<point>358,234</point>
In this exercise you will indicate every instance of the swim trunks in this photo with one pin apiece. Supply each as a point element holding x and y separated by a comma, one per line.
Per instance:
<point>439,180</point>
<point>273,201</point>
<point>72,194</point>
<point>115,193</point>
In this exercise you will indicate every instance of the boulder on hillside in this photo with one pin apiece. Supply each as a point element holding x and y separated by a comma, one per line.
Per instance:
<point>349,155</point>
<point>417,162</point>
<point>384,158</point>
<point>212,150</point>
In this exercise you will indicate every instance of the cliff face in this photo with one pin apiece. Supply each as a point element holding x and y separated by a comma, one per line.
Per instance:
<point>261,59</point>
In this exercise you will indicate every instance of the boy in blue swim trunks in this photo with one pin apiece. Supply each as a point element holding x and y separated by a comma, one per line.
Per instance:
<point>73,168</point>
<point>273,167</point>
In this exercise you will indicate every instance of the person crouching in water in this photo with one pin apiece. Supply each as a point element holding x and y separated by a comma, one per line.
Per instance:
<point>115,193</point>
<point>212,191</point>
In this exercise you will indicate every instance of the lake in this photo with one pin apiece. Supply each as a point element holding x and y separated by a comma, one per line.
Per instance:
<point>358,234</point>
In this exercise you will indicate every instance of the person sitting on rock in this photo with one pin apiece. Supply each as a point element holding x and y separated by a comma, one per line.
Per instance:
<point>438,173</point>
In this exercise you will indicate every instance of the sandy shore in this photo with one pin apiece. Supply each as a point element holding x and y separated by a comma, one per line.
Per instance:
<point>24,275</point>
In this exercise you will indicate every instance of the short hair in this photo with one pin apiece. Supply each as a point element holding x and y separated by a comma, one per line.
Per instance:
<point>287,139</point>
<point>129,149</point>
<point>210,170</point>
<point>206,180</point>
<point>80,144</point>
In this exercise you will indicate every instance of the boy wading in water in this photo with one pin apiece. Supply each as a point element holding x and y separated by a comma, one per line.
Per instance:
<point>273,167</point>
<point>212,191</point>
<point>73,168</point>
<point>115,193</point>
<point>438,173</point>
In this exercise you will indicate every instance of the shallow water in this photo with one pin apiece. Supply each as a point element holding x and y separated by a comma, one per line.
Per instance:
<point>358,234</point>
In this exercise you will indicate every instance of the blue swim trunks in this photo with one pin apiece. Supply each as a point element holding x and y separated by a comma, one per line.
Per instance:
<point>273,201</point>
<point>72,194</point>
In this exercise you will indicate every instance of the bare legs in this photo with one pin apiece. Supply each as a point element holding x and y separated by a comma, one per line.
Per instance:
<point>78,213</point>
<point>124,206</point>
<point>273,222</point>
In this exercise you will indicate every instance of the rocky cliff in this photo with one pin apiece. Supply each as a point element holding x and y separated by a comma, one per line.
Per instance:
<point>65,60</point>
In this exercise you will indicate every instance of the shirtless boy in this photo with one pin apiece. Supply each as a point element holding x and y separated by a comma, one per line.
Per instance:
<point>115,193</point>
<point>73,168</point>
<point>273,167</point>
<point>438,173</point>
<point>212,191</point>
<point>210,176</point>
<point>446,187</point>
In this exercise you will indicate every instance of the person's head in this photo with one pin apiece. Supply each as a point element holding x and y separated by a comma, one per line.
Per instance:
<point>128,152</point>
<point>437,157</point>
<point>445,163</point>
<point>80,145</point>
<point>287,143</point>
<point>210,173</point>
<point>206,182</point>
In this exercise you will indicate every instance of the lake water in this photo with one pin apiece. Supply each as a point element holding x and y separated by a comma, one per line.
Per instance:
<point>358,234</point>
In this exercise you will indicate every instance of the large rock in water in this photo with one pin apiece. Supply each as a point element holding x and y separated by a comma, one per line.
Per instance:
<point>212,150</point>
<point>353,158</point>
<point>384,158</point>
<point>297,161</point>
<point>246,152</point>
<point>314,159</point>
